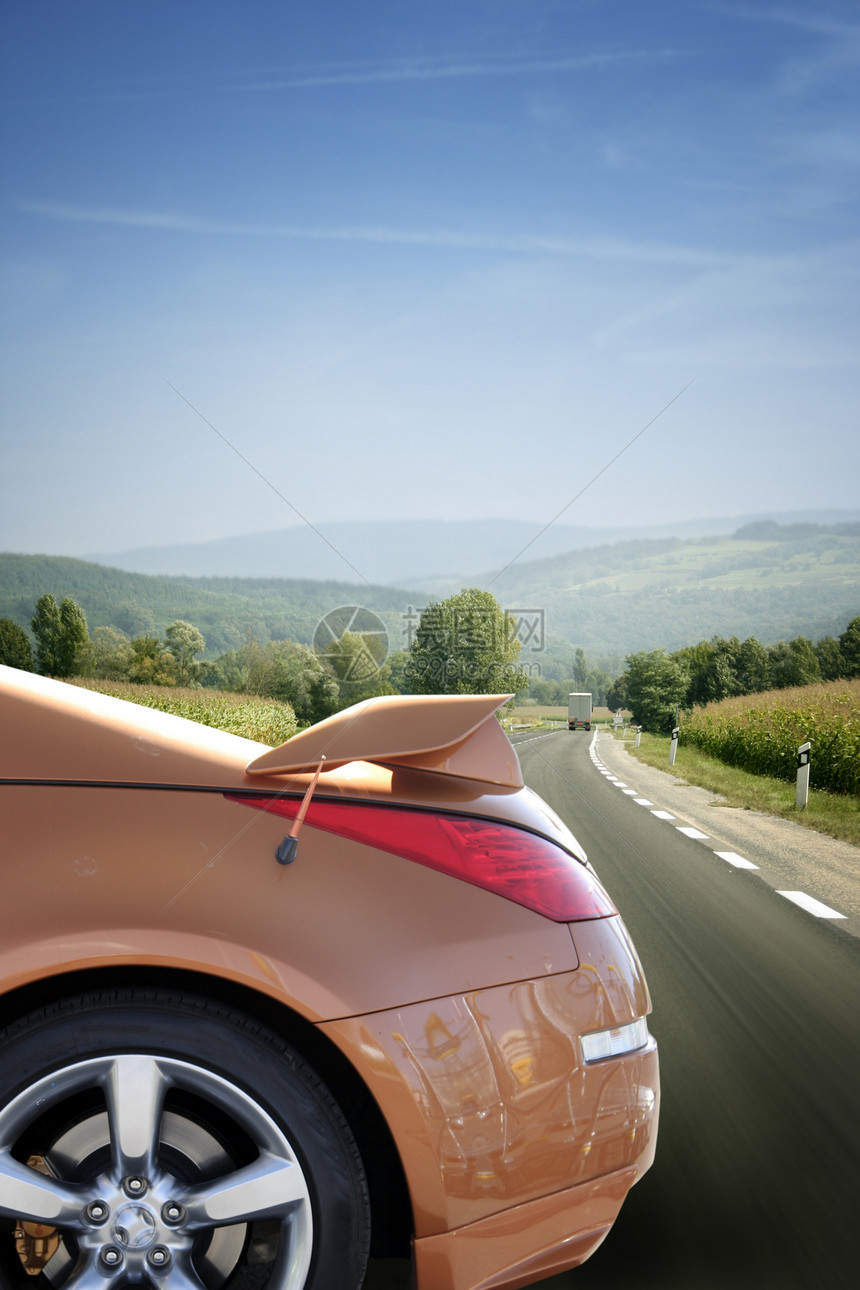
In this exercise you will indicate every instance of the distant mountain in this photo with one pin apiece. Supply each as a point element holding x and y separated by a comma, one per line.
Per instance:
<point>773,581</point>
<point>422,554</point>
<point>766,580</point>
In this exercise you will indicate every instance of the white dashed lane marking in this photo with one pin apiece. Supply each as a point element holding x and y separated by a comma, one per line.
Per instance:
<point>799,898</point>
<point>740,862</point>
<point>810,904</point>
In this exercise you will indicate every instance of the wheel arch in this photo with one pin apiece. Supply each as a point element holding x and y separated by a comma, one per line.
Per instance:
<point>392,1223</point>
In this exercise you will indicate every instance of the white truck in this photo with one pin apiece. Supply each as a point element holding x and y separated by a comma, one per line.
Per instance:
<point>579,712</point>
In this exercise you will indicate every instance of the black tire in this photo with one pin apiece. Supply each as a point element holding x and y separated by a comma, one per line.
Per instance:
<point>185,1145</point>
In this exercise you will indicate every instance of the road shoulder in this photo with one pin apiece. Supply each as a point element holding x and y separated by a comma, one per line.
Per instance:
<point>788,856</point>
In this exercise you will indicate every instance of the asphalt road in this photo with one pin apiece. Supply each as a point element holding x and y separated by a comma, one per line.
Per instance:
<point>757,1014</point>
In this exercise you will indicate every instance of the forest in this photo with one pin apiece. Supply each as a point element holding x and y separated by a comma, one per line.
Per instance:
<point>768,581</point>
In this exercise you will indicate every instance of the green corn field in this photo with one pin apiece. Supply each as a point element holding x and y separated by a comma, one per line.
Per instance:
<point>761,733</point>
<point>267,721</point>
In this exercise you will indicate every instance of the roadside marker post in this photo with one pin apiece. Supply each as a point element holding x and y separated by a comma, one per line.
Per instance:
<point>673,747</point>
<point>802,793</point>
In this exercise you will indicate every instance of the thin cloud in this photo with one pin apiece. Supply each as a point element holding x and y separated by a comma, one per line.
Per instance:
<point>404,70</point>
<point>804,18</point>
<point>449,239</point>
<point>458,68</point>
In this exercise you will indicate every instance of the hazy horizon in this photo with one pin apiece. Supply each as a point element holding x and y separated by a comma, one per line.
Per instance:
<point>420,553</point>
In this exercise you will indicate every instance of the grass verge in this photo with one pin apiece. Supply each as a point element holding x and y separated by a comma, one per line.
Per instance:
<point>837,814</point>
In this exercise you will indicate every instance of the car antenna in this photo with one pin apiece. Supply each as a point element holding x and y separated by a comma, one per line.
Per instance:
<point>286,852</point>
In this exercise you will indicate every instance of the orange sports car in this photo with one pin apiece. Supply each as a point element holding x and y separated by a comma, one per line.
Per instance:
<point>266,1011</point>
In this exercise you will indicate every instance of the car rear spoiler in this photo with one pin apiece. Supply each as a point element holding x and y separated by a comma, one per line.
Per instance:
<point>451,734</point>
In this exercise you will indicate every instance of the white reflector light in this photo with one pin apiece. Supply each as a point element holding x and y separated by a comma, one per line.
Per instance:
<point>612,1043</point>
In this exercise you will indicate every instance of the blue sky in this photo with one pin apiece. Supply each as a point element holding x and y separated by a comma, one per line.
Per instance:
<point>437,260</point>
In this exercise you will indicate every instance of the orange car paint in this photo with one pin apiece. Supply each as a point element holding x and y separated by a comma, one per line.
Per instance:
<point>461,1013</point>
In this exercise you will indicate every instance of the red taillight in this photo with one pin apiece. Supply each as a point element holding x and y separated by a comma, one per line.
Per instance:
<point>522,866</point>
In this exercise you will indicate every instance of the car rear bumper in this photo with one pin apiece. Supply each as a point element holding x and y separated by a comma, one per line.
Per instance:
<point>518,1246</point>
<point>517,1152</point>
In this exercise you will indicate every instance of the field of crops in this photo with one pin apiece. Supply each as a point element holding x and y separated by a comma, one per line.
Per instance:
<point>761,733</point>
<point>265,720</point>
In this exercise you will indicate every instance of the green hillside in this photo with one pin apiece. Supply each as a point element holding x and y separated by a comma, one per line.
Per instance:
<point>766,581</point>
<point>228,611</point>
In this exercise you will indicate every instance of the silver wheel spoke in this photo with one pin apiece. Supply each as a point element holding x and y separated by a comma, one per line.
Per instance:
<point>145,1196</point>
<point>134,1090</point>
<point>184,1279</point>
<point>271,1185</point>
<point>37,1198</point>
<point>91,1278</point>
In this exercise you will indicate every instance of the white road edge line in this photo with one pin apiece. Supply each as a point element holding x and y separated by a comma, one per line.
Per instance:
<point>690,832</point>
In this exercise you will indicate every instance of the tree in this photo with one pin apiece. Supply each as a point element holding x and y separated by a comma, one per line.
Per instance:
<point>151,663</point>
<point>559,690</point>
<point>714,667</point>
<point>720,677</point>
<point>356,657</point>
<point>396,665</point>
<point>111,654</point>
<point>466,644</point>
<point>184,642</point>
<point>227,672</point>
<point>753,667</point>
<point>849,646</point>
<point>544,693</point>
<point>74,634</point>
<point>597,682</point>
<point>359,676</point>
<point>15,648</point>
<point>294,674</point>
<point>616,695</point>
<point>60,631</point>
<point>793,662</point>
<point>695,659</point>
<point>46,628</point>
<point>282,670</point>
<point>830,661</point>
<point>656,686</point>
